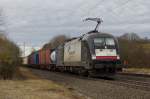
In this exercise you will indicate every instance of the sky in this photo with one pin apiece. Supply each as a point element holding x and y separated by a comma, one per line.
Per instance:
<point>35,22</point>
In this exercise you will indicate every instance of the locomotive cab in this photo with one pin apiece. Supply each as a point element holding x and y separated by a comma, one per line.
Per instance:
<point>104,51</point>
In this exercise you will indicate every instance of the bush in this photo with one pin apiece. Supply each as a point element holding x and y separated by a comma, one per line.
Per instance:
<point>9,58</point>
<point>7,71</point>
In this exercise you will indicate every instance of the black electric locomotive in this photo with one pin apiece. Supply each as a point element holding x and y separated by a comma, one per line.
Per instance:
<point>94,53</point>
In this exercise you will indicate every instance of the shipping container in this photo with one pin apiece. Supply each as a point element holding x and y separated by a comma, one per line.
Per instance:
<point>36,57</point>
<point>48,60</point>
<point>32,58</point>
<point>42,56</point>
<point>40,59</point>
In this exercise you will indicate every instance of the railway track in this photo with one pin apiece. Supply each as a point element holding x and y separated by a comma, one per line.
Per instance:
<point>132,81</point>
<point>122,87</point>
<point>135,84</point>
<point>141,82</point>
<point>138,81</point>
<point>124,79</point>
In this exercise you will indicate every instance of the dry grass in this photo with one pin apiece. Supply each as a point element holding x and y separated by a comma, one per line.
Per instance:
<point>137,70</point>
<point>34,88</point>
<point>146,46</point>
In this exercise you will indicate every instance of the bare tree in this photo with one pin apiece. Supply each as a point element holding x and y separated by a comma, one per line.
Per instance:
<point>56,41</point>
<point>130,36</point>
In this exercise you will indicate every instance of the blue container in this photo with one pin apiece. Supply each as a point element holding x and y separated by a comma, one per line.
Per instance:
<point>36,57</point>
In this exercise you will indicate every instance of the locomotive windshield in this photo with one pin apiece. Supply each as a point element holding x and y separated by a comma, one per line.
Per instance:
<point>99,42</point>
<point>102,42</point>
<point>110,41</point>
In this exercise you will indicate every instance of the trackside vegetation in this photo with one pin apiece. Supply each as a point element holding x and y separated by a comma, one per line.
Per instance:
<point>9,58</point>
<point>136,53</point>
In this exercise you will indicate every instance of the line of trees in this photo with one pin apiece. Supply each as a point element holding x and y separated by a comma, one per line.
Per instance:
<point>136,52</point>
<point>56,41</point>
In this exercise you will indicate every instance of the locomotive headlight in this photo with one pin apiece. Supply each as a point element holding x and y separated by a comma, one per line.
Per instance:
<point>118,57</point>
<point>93,57</point>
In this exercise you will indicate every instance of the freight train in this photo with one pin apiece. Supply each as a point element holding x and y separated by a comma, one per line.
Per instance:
<point>94,53</point>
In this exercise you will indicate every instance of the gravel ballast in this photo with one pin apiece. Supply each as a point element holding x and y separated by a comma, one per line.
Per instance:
<point>96,89</point>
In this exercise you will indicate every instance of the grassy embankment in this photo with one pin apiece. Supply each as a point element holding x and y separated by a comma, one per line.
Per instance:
<point>33,87</point>
<point>137,70</point>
